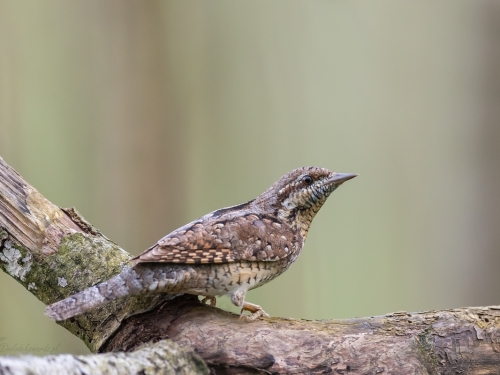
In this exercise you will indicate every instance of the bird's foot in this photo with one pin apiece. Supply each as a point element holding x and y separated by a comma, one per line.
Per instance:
<point>213,301</point>
<point>255,310</point>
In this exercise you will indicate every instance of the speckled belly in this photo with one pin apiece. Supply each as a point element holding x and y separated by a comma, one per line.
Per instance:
<point>226,278</point>
<point>212,279</point>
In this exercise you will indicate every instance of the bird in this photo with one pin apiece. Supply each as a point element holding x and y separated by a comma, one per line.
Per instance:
<point>226,252</point>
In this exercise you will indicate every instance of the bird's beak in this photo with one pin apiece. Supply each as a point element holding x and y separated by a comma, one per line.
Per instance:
<point>340,178</point>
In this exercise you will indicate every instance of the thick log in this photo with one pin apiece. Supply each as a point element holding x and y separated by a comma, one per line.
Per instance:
<point>54,253</point>
<point>459,341</point>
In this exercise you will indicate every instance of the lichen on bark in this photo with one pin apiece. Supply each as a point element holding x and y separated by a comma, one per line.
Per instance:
<point>164,357</point>
<point>20,263</point>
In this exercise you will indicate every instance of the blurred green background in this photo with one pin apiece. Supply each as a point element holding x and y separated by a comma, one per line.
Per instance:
<point>145,115</point>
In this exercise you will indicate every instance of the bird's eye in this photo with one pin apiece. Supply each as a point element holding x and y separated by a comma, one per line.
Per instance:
<point>308,180</point>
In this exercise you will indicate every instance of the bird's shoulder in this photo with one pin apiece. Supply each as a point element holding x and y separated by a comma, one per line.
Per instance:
<point>227,235</point>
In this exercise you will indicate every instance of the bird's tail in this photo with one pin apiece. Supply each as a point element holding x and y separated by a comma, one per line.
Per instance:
<point>130,282</point>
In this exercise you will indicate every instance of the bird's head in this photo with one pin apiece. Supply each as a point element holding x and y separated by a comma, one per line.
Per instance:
<point>297,196</point>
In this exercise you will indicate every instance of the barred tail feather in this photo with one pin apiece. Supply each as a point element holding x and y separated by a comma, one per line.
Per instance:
<point>76,304</point>
<point>123,284</point>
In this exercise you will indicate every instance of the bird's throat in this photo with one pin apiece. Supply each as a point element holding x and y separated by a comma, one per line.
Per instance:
<point>299,220</point>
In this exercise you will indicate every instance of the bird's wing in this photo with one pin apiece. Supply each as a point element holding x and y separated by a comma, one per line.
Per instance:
<point>247,237</point>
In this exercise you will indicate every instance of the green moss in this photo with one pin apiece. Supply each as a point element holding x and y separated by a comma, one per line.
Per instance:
<point>424,346</point>
<point>83,261</point>
<point>80,262</point>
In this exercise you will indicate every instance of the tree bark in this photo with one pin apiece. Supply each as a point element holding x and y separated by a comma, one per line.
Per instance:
<point>160,358</point>
<point>434,342</point>
<point>55,253</point>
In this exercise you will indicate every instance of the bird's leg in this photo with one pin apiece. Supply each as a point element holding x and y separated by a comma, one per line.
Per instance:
<point>238,299</point>
<point>213,301</point>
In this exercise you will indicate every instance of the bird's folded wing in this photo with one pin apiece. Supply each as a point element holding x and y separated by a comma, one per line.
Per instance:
<point>248,237</point>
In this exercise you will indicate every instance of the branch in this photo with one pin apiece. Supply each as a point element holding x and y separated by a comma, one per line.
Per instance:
<point>161,358</point>
<point>55,253</point>
<point>435,342</point>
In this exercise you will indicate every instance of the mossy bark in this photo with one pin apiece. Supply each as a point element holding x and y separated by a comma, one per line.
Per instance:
<point>55,253</point>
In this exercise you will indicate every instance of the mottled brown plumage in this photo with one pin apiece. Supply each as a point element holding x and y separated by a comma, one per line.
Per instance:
<point>228,251</point>
<point>229,237</point>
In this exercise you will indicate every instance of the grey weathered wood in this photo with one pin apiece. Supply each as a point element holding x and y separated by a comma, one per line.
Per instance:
<point>55,253</point>
<point>164,357</point>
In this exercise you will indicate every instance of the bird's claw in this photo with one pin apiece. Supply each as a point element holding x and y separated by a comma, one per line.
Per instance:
<point>255,315</point>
